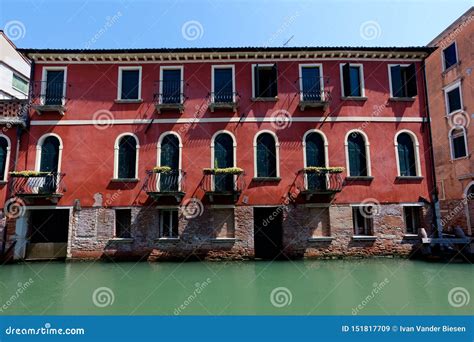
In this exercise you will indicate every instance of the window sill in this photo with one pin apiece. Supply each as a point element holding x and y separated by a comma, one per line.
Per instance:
<point>320,239</point>
<point>360,178</point>
<point>402,99</point>
<point>265,99</point>
<point>223,240</point>
<point>168,240</point>
<point>411,237</point>
<point>410,178</point>
<point>363,238</point>
<point>353,98</point>
<point>266,179</point>
<point>125,180</point>
<point>121,240</point>
<point>454,66</point>
<point>128,101</point>
<point>460,158</point>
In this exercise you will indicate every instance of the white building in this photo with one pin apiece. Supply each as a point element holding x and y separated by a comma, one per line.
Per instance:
<point>14,71</point>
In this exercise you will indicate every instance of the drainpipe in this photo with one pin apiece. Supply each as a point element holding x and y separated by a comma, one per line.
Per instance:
<point>435,199</point>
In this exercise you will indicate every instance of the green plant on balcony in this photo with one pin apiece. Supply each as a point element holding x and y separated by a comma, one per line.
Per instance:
<point>29,173</point>
<point>162,169</point>
<point>223,171</point>
<point>320,169</point>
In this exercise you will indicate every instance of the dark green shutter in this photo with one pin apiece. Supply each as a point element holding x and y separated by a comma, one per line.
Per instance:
<point>411,80</point>
<point>315,156</point>
<point>127,157</point>
<point>169,156</point>
<point>357,157</point>
<point>266,156</point>
<point>54,87</point>
<point>406,155</point>
<point>396,75</point>
<point>274,85</point>
<point>50,155</point>
<point>346,79</point>
<point>223,158</point>
<point>257,81</point>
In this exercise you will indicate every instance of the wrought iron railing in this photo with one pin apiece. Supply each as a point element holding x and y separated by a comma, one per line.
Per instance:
<point>223,97</point>
<point>169,92</point>
<point>223,183</point>
<point>37,185</point>
<point>49,93</point>
<point>324,181</point>
<point>169,182</point>
<point>314,89</point>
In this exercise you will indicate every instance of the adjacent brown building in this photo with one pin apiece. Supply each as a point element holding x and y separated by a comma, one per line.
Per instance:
<point>450,86</point>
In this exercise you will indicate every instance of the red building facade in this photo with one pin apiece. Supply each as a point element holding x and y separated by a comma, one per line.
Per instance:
<point>223,153</point>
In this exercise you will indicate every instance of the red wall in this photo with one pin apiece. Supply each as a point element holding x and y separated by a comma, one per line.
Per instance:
<point>88,154</point>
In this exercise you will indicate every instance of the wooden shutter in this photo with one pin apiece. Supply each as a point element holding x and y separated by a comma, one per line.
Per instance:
<point>257,81</point>
<point>396,76</point>
<point>274,86</point>
<point>406,155</point>
<point>50,155</point>
<point>346,79</point>
<point>266,156</point>
<point>357,157</point>
<point>411,80</point>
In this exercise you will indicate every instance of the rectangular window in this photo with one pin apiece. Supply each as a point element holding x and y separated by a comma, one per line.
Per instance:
<point>265,81</point>
<point>171,86</point>
<point>310,84</point>
<point>53,87</point>
<point>459,144</point>
<point>362,219</point>
<point>224,223</point>
<point>123,223</point>
<point>20,84</point>
<point>169,223</point>
<point>453,99</point>
<point>352,80</point>
<point>412,216</point>
<point>130,83</point>
<point>450,57</point>
<point>403,80</point>
<point>223,84</point>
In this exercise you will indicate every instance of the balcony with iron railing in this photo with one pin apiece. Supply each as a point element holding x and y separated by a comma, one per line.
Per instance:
<point>314,93</point>
<point>223,182</point>
<point>169,95</point>
<point>49,96</point>
<point>37,184</point>
<point>224,100</point>
<point>13,112</point>
<point>312,181</point>
<point>163,182</point>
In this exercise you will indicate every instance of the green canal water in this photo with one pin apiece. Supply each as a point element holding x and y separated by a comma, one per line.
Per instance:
<point>364,287</point>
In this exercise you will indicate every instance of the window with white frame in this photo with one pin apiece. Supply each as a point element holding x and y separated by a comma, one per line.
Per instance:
<point>352,77</point>
<point>457,137</point>
<point>171,85</point>
<point>169,224</point>
<point>411,216</point>
<point>53,86</point>
<point>129,87</point>
<point>403,80</point>
<point>265,81</point>
<point>20,84</point>
<point>450,56</point>
<point>362,220</point>
<point>311,82</point>
<point>453,98</point>
<point>223,84</point>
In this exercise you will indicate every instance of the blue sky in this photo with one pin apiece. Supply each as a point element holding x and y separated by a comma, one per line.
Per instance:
<point>214,23</point>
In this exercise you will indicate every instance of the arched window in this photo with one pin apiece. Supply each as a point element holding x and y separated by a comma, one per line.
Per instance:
<point>458,142</point>
<point>266,155</point>
<point>315,155</point>
<point>50,154</point>
<point>126,157</point>
<point>4,157</point>
<point>170,156</point>
<point>357,154</point>
<point>223,157</point>
<point>407,154</point>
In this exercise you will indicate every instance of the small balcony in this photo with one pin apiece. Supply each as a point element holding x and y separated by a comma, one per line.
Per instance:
<point>169,96</point>
<point>49,97</point>
<point>37,184</point>
<point>13,112</point>
<point>164,182</point>
<point>319,181</point>
<point>224,100</point>
<point>223,182</point>
<point>314,93</point>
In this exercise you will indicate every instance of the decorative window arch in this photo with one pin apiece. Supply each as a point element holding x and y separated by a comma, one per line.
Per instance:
<point>266,154</point>
<point>308,136</point>
<point>160,145</point>
<point>125,161</point>
<point>357,154</point>
<point>458,142</point>
<point>407,153</point>
<point>223,155</point>
<point>221,133</point>
<point>40,160</point>
<point>5,146</point>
